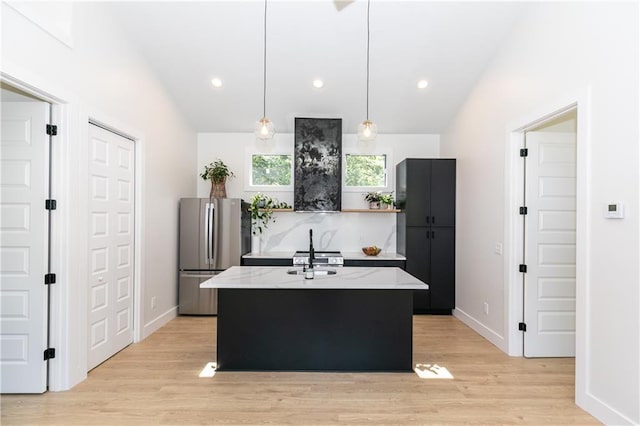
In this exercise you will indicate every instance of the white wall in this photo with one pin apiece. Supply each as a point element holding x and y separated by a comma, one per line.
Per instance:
<point>334,231</point>
<point>97,75</point>
<point>556,51</point>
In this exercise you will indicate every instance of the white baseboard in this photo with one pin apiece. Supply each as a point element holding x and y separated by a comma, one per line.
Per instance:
<point>482,330</point>
<point>602,411</point>
<point>155,324</point>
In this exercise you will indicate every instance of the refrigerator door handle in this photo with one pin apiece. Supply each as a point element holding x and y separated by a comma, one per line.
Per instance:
<point>198,275</point>
<point>209,234</point>
<point>215,233</point>
<point>202,236</point>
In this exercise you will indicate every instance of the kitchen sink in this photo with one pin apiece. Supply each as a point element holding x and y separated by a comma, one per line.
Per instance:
<point>316,271</point>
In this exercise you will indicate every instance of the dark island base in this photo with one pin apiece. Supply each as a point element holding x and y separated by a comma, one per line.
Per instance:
<point>309,330</point>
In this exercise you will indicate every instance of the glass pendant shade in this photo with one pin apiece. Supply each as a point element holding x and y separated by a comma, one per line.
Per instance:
<point>367,131</point>
<point>264,129</point>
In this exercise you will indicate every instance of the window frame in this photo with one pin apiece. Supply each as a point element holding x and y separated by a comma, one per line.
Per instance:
<point>363,189</point>
<point>249,186</point>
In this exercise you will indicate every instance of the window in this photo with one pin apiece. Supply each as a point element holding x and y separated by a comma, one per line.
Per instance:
<point>366,170</point>
<point>270,170</point>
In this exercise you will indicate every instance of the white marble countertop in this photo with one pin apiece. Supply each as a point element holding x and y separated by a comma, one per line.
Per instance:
<point>270,255</point>
<point>347,255</point>
<point>347,278</point>
<point>359,255</point>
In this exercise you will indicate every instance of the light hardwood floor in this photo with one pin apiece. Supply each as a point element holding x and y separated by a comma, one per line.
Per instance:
<point>156,382</point>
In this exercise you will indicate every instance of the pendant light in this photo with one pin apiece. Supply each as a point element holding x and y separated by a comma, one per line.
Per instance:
<point>264,127</point>
<point>367,130</point>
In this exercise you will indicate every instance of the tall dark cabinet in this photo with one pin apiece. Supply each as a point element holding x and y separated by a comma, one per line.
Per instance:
<point>426,194</point>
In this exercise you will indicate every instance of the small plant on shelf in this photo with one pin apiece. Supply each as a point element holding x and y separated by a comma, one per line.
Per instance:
<point>373,198</point>
<point>387,199</point>
<point>262,212</point>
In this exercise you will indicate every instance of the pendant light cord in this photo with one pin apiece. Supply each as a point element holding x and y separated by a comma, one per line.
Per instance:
<point>264,65</point>
<point>368,36</point>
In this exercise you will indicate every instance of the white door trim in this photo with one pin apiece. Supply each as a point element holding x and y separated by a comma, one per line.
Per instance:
<point>581,100</point>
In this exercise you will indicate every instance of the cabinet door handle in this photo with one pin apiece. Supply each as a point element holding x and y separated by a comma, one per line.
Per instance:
<point>427,219</point>
<point>433,219</point>
<point>433,234</point>
<point>427,235</point>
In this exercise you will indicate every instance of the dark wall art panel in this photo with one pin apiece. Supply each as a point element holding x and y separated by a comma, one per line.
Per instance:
<point>318,164</point>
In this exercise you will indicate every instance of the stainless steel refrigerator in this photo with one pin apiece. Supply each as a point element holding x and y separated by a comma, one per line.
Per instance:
<point>214,234</point>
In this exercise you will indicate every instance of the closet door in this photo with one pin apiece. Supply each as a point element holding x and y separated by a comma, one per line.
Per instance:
<point>111,244</point>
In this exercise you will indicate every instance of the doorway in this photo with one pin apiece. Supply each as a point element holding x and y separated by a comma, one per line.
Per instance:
<point>25,223</point>
<point>549,238</point>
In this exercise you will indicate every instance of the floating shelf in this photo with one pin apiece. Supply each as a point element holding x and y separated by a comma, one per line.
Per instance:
<point>342,211</point>
<point>277,210</point>
<point>371,211</point>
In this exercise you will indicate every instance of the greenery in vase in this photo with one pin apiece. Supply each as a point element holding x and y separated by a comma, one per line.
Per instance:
<point>262,212</point>
<point>216,171</point>
<point>373,197</point>
<point>387,199</point>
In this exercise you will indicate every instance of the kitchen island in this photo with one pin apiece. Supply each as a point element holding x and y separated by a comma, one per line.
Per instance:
<point>359,319</point>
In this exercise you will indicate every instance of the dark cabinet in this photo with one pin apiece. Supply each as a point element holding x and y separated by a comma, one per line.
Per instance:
<point>375,263</point>
<point>426,193</point>
<point>267,261</point>
<point>271,261</point>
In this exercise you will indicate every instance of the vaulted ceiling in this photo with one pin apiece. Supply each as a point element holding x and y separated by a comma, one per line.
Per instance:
<point>447,43</point>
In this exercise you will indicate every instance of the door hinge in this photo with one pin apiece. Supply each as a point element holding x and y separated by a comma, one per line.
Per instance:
<point>52,129</point>
<point>524,152</point>
<point>522,326</point>
<point>49,279</point>
<point>50,204</point>
<point>523,210</point>
<point>49,353</point>
<point>522,268</point>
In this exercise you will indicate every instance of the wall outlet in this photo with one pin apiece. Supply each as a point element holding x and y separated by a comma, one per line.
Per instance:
<point>498,249</point>
<point>154,302</point>
<point>486,308</point>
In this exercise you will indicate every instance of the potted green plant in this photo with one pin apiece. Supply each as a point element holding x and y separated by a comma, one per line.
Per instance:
<point>262,212</point>
<point>373,198</point>
<point>217,172</point>
<point>387,200</point>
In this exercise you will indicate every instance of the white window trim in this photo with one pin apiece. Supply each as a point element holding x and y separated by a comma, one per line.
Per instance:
<point>388,171</point>
<point>248,167</point>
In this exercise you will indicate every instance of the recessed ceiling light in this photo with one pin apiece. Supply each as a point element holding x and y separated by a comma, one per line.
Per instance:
<point>216,82</point>
<point>317,83</point>
<point>422,84</point>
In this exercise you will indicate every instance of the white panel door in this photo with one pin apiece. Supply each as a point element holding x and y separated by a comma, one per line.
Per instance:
<point>24,166</point>
<point>111,244</point>
<point>550,245</point>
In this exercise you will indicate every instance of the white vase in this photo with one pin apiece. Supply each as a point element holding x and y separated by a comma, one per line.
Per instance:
<point>255,243</point>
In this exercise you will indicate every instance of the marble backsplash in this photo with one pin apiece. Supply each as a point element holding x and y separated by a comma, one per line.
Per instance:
<point>331,231</point>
